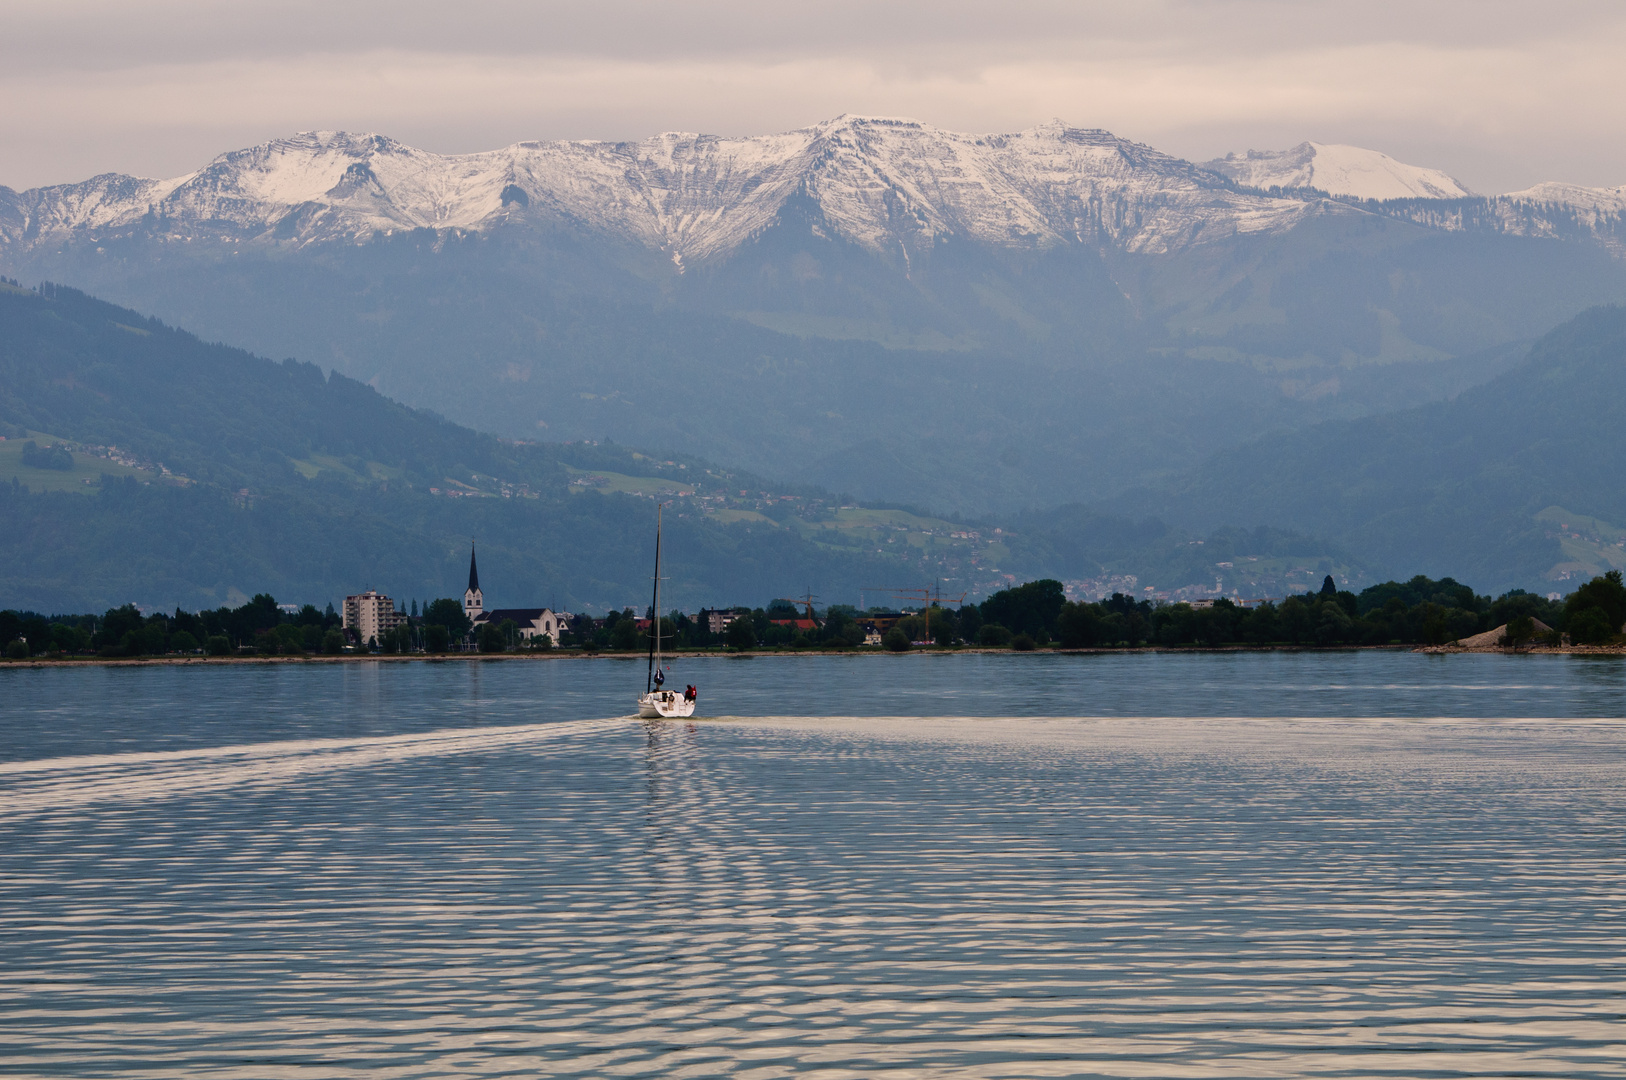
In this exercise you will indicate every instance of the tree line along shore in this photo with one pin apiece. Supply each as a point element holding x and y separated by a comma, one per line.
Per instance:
<point>1030,617</point>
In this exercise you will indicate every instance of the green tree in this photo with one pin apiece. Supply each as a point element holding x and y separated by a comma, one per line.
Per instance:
<point>436,638</point>
<point>1174,624</point>
<point>1446,592</point>
<point>448,613</point>
<point>1023,643</point>
<point>968,621</point>
<point>1333,624</point>
<point>290,639</point>
<point>182,642</point>
<point>1259,625</point>
<point>333,641</point>
<point>1080,626</point>
<point>1297,619</point>
<point>218,645</point>
<point>492,639</point>
<point>1605,595</point>
<point>837,628</point>
<point>260,613</point>
<point>1517,603</point>
<point>38,633</point>
<point>740,635</point>
<point>625,637</point>
<point>72,639</point>
<point>895,640</point>
<point>1027,608</point>
<point>993,635</point>
<point>1589,626</point>
<point>116,625</point>
<point>55,456</point>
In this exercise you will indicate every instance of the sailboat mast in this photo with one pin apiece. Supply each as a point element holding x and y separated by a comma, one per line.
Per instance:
<point>655,610</point>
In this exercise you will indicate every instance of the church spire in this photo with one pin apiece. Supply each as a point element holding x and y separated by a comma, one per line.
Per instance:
<point>473,600</point>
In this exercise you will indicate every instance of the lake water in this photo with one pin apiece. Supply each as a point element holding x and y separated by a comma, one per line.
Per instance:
<point>1210,865</point>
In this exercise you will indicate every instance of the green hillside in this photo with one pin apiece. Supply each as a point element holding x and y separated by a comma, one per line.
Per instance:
<point>193,474</point>
<point>1467,487</point>
<point>201,475</point>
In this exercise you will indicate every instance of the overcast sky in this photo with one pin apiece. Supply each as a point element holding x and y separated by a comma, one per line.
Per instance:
<point>1497,93</point>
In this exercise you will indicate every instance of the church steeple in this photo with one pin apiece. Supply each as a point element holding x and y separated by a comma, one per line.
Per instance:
<point>473,599</point>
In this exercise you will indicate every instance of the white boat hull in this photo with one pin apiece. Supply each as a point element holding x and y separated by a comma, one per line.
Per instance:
<point>664,704</point>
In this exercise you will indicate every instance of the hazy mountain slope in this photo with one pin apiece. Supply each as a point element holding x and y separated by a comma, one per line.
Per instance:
<point>223,475</point>
<point>1451,487</point>
<point>977,322</point>
<point>262,476</point>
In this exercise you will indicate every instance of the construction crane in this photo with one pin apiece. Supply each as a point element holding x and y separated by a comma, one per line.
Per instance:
<point>806,600</point>
<point>927,598</point>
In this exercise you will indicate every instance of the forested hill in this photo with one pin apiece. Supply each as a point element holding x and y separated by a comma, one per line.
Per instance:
<point>88,371</point>
<point>1512,481</point>
<point>142,464</point>
<point>198,473</point>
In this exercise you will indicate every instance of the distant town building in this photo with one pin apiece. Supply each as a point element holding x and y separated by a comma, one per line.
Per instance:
<point>796,624</point>
<point>716,620</point>
<point>532,622</point>
<point>369,616</point>
<point>473,599</point>
<point>880,621</point>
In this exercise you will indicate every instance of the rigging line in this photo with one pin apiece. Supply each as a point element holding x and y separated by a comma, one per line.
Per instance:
<point>654,607</point>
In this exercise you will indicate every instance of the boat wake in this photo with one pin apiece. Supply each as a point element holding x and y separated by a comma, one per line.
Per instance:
<point>58,783</point>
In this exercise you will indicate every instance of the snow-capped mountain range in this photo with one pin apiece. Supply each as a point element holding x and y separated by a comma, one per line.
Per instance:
<point>1069,312</point>
<point>884,184</point>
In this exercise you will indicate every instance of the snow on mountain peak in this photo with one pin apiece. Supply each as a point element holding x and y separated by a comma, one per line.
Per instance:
<point>1338,170</point>
<point>875,181</point>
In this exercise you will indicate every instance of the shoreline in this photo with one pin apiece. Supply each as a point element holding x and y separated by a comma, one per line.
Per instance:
<point>560,655</point>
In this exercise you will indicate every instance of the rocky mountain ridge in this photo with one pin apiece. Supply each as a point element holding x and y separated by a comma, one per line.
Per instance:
<point>886,185</point>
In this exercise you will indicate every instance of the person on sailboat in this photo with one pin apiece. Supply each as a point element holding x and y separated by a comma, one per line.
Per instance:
<point>657,703</point>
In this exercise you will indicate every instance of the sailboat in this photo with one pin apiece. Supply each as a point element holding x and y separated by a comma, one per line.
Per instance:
<point>658,703</point>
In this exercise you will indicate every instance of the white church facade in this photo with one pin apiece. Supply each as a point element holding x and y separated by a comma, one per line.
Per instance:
<point>532,623</point>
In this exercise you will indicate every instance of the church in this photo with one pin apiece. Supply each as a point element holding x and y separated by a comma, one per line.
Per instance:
<point>532,622</point>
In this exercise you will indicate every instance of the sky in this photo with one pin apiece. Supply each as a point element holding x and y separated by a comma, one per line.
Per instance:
<point>1499,94</point>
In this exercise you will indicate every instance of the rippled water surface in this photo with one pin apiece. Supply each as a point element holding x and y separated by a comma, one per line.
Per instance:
<point>1171,866</point>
